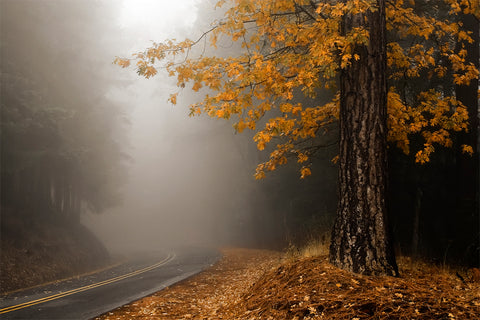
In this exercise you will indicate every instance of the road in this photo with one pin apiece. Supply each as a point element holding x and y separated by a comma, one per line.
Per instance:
<point>89,296</point>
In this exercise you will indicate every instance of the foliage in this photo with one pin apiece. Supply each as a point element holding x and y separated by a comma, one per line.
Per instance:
<point>294,48</point>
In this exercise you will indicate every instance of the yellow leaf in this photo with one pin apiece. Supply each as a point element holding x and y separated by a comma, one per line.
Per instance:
<point>173,98</point>
<point>467,149</point>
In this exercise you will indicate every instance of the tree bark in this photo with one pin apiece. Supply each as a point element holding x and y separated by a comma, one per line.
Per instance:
<point>361,240</point>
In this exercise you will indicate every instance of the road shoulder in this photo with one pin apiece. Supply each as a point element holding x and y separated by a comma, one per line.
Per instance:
<point>206,294</point>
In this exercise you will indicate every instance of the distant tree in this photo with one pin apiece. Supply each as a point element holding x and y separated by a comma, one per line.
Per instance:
<point>433,205</point>
<point>467,93</point>
<point>58,152</point>
<point>303,48</point>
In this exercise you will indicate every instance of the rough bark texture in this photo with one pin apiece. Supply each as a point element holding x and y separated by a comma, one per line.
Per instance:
<point>360,238</point>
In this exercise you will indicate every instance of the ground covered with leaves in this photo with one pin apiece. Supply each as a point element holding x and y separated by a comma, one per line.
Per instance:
<point>36,252</point>
<point>258,284</point>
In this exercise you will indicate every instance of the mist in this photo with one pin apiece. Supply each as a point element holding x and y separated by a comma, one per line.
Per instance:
<point>154,177</point>
<point>185,176</point>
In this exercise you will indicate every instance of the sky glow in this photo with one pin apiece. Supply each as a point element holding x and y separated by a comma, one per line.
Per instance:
<point>159,14</point>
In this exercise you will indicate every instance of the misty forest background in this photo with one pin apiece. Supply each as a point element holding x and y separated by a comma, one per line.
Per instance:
<point>85,143</point>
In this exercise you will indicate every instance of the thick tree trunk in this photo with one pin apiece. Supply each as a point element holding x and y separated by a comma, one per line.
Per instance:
<point>360,238</point>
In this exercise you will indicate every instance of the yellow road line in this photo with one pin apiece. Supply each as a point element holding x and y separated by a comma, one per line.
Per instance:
<point>91,286</point>
<point>64,279</point>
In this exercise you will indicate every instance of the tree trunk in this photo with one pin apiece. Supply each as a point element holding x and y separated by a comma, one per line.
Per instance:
<point>361,240</point>
<point>416,221</point>
<point>467,167</point>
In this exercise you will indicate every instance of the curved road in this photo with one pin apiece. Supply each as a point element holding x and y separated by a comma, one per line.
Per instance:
<point>92,295</point>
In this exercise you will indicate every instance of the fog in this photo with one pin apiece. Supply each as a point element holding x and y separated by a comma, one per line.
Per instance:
<point>185,175</point>
<point>166,179</point>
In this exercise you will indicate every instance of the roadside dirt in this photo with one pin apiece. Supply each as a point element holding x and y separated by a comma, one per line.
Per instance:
<point>256,284</point>
<point>207,295</point>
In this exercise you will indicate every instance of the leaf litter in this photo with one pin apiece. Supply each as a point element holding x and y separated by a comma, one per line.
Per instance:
<point>258,284</point>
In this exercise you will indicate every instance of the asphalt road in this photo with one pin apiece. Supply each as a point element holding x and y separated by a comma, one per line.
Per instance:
<point>95,294</point>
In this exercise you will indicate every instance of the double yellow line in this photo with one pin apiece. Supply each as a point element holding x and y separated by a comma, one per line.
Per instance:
<point>94,285</point>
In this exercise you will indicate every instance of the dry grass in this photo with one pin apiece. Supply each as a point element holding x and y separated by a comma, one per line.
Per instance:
<point>314,248</point>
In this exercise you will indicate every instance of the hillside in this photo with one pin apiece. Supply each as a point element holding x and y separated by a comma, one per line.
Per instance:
<point>35,252</point>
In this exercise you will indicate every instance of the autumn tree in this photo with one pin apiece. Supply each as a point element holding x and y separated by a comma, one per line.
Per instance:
<point>360,238</point>
<point>296,49</point>
<point>431,205</point>
<point>467,93</point>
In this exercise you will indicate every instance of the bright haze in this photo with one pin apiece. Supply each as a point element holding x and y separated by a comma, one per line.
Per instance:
<point>186,176</point>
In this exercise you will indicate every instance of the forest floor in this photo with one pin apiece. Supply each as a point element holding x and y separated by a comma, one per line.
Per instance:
<point>259,284</point>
